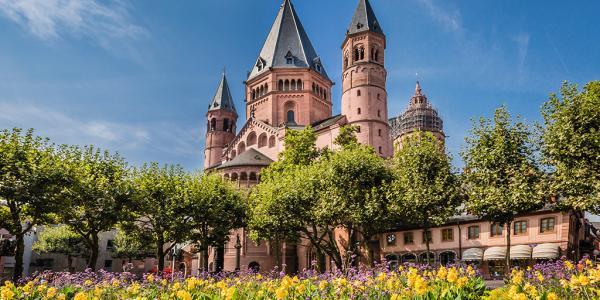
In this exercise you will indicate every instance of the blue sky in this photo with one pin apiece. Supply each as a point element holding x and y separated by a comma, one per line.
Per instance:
<point>137,76</point>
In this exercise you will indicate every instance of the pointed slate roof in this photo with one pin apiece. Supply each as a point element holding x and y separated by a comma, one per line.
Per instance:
<point>287,42</point>
<point>364,19</point>
<point>222,99</point>
<point>250,157</point>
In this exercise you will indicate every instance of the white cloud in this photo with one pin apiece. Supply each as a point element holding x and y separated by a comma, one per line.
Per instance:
<point>106,23</point>
<point>450,20</point>
<point>158,137</point>
<point>522,41</point>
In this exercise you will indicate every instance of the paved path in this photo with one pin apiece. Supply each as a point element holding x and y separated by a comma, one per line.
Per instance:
<point>494,284</point>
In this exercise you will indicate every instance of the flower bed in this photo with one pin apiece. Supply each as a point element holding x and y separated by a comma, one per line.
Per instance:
<point>405,283</point>
<point>548,281</point>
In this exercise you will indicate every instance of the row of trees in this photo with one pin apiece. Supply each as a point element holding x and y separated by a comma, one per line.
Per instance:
<point>510,169</point>
<point>92,191</point>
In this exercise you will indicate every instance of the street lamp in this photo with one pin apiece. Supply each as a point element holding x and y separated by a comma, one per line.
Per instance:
<point>238,247</point>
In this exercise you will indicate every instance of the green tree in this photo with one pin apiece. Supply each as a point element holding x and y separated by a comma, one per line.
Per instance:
<point>214,208</point>
<point>352,198</point>
<point>158,207</point>
<point>61,240</point>
<point>31,179</point>
<point>502,177</point>
<point>424,191</point>
<point>284,205</point>
<point>97,196</point>
<point>131,246</point>
<point>572,145</point>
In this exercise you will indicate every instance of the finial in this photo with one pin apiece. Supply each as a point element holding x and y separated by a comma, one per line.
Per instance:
<point>418,88</point>
<point>224,70</point>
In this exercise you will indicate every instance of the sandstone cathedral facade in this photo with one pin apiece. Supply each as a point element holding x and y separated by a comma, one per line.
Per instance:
<point>288,88</point>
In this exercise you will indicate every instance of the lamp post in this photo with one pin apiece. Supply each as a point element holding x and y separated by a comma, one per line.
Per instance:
<point>238,247</point>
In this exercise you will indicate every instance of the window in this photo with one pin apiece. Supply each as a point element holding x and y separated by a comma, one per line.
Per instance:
<point>391,239</point>
<point>358,93</point>
<point>447,235</point>
<point>547,225</point>
<point>409,238</point>
<point>473,232</point>
<point>496,229</point>
<point>380,150</point>
<point>289,60</point>
<point>213,124</point>
<point>358,111</point>
<point>280,85</point>
<point>252,176</point>
<point>293,86</point>
<point>520,228</point>
<point>378,96</point>
<point>286,85</point>
<point>379,132</point>
<point>358,129</point>
<point>110,245</point>
<point>290,117</point>
<point>379,113</point>
<point>345,62</point>
<point>299,85</point>
<point>226,125</point>
<point>426,236</point>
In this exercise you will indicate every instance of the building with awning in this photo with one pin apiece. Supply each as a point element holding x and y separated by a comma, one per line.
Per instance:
<point>520,252</point>
<point>494,253</point>
<point>546,251</point>
<point>473,254</point>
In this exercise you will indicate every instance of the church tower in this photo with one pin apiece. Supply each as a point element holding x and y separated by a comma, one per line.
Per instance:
<point>364,95</point>
<point>220,129</point>
<point>288,84</point>
<point>420,116</point>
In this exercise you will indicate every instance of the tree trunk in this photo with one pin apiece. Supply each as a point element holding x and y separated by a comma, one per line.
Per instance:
<point>320,261</point>
<point>507,271</point>
<point>428,237</point>
<point>70,263</point>
<point>205,260</point>
<point>18,273</point>
<point>277,249</point>
<point>94,254</point>
<point>160,253</point>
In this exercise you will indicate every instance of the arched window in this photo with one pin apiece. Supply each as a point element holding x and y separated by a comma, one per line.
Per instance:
<point>234,177</point>
<point>226,125</point>
<point>392,261</point>
<point>293,87</point>
<point>241,148</point>
<point>314,87</point>
<point>280,85</point>
<point>272,141</point>
<point>447,257</point>
<point>253,95</point>
<point>379,113</point>
<point>423,257</point>
<point>287,85</point>
<point>372,53</point>
<point>321,91</point>
<point>299,85</point>
<point>358,111</point>
<point>254,267</point>
<point>379,132</point>
<point>358,93</point>
<point>266,88</point>
<point>251,139</point>
<point>261,91</point>
<point>244,176</point>
<point>252,176</point>
<point>213,124</point>
<point>325,94</point>
<point>376,55</point>
<point>233,154</point>
<point>362,53</point>
<point>356,54</point>
<point>262,140</point>
<point>346,62</point>
<point>226,176</point>
<point>290,117</point>
<point>380,150</point>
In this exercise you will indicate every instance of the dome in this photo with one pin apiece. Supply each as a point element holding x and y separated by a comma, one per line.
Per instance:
<point>419,116</point>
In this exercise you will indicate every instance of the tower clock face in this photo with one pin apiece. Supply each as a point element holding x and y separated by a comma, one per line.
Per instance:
<point>391,238</point>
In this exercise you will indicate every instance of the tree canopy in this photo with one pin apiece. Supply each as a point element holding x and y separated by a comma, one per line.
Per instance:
<point>61,240</point>
<point>572,145</point>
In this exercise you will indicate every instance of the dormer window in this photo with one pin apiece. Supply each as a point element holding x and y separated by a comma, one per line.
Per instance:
<point>260,64</point>
<point>289,58</point>
<point>317,63</point>
<point>359,25</point>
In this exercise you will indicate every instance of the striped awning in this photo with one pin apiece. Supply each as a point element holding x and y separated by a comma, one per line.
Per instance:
<point>472,254</point>
<point>520,252</point>
<point>495,253</point>
<point>546,251</point>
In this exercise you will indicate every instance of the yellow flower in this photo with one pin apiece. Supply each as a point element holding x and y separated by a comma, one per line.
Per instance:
<point>452,275</point>
<point>51,292</point>
<point>88,282</point>
<point>420,286</point>
<point>322,285</point>
<point>301,288</point>
<point>61,297</point>
<point>6,293</point>
<point>568,265</point>
<point>80,296</point>
<point>539,276</point>
<point>281,292</point>
<point>183,295</point>
<point>98,291</point>
<point>462,281</point>
<point>150,278</point>
<point>381,276</point>
<point>442,272</point>
<point>395,297</point>
<point>230,293</point>
<point>115,282</point>
<point>551,296</point>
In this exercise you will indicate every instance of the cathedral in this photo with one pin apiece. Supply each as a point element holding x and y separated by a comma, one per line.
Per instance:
<point>288,88</point>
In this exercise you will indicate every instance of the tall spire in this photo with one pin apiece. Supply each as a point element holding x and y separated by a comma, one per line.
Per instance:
<point>222,99</point>
<point>364,19</point>
<point>287,45</point>
<point>418,89</point>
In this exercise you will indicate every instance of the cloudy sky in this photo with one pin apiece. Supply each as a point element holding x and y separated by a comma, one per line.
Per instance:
<point>136,76</point>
